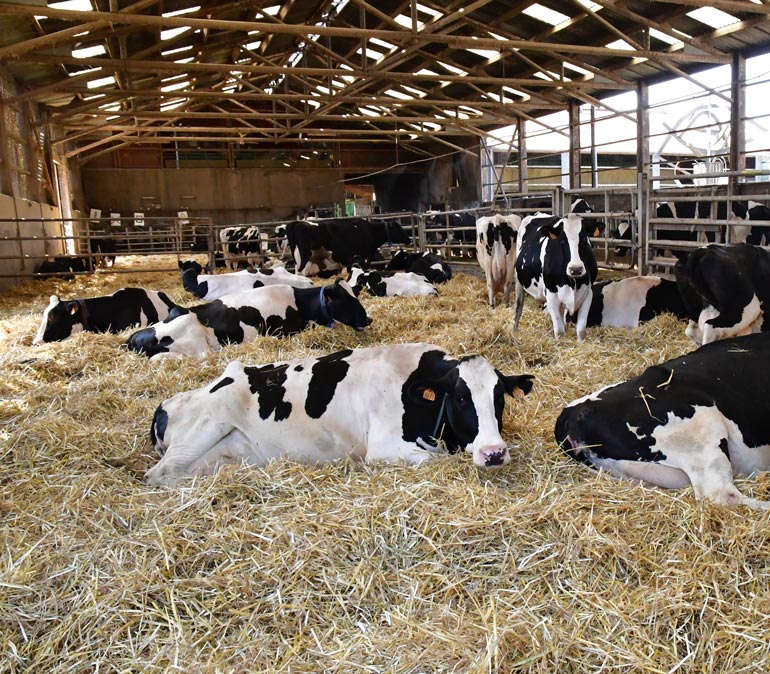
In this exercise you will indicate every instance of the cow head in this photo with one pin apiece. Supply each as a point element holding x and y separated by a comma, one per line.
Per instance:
<point>60,320</point>
<point>356,278</point>
<point>190,264</point>
<point>470,396</point>
<point>343,306</point>
<point>394,232</point>
<point>568,233</point>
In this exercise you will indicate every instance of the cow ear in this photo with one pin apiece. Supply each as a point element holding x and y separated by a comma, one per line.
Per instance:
<point>549,230</point>
<point>73,308</point>
<point>53,300</point>
<point>516,386</point>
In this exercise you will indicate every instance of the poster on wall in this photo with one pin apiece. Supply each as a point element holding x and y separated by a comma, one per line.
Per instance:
<point>183,218</point>
<point>138,219</point>
<point>96,215</point>
<point>115,219</point>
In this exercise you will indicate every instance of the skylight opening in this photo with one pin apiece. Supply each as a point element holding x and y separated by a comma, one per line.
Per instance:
<point>270,11</point>
<point>452,69</point>
<point>169,52</point>
<point>472,111</point>
<point>323,90</point>
<point>72,5</point>
<point>251,46</point>
<point>85,72</point>
<point>590,5</point>
<point>416,92</point>
<point>578,69</point>
<point>428,10</point>
<point>485,53</point>
<point>110,107</point>
<point>173,32</point>
<point>497,97</point>
<point>101,82</point>
<point>425,71</point>
<point>381,43</point>
<point>313,103</point>
<point>177,86</point>
<point>369,112</point>
<point>88,52</point>
<point>174,103</point>
<point>663,37</point>
<point>296,57</point>
<point>184,60</point>
<point>395,93</point>
<point>188,10</point>
<point>713,17</point>
<point>230,88</point>
<point>172,78</point>
<point>93,97</point>
<point>544,14</point>
<point>406,22</point>
<point>339,84</point>
<point>370,53</point>
<point>619,44</point>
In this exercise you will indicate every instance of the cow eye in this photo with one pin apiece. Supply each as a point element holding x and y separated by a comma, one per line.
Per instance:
<point>460,399</point>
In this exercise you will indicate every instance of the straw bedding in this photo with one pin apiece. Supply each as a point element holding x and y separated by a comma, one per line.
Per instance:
<point>539,567</point>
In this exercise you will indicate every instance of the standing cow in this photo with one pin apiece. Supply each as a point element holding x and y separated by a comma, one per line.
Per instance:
<point>555,264</point>
<point>698,419</point>
<point>726,291</point>
<point>496,253</point>
<point>387,403</point>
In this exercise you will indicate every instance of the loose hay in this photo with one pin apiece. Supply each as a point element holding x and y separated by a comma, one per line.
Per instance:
<point>541,566</point>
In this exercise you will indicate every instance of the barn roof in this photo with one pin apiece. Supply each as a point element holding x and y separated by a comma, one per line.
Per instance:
<point>266,73</point>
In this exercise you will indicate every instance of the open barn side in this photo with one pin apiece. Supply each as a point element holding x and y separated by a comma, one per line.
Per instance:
<point>541,566</point>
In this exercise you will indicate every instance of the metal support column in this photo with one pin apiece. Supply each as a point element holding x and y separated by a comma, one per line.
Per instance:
<point>643,170</point>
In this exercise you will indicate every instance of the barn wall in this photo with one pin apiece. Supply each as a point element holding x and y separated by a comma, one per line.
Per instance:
<point>225,195</point>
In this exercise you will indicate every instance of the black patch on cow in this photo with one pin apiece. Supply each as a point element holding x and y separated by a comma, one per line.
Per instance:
<point>298,368</point>
<point>327,372</point>
<point>146,342</point>
<point>730,374</point>
<point>221,384</point>
<point>723,446</point>
<point>158,428</point>
<point>422,414</point>
<point>191,283</point>
<point>267,382</point>
<point>663,298</point>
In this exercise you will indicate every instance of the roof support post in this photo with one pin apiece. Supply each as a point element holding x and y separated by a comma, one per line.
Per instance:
<point>643,168</point>
<point>574,144</point>
<point>737,117</point>
<point>521,139</point>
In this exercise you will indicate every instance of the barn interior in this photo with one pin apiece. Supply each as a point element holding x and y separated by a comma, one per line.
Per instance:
<point>158,123</point>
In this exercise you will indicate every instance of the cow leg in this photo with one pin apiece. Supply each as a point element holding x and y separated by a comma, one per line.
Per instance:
<point>233,448</point>
<point>393,452</point>
<point>508,283</point>
<point>694,332</point>
<point>490,291</point>
<point>554,307</point>
<point>582,316</point>
<point>518,305</point>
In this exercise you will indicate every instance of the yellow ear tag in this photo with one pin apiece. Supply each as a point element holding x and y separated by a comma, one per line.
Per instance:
<point>552,235</point>
<point>429,394</point>
<point>518,393</point>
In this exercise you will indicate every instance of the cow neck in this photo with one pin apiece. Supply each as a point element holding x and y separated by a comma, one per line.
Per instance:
<point>83,314</point>
<point>387,233</point>
<point>326,318</point>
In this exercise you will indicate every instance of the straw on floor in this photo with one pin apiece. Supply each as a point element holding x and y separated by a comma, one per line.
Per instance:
<point>541,566</point>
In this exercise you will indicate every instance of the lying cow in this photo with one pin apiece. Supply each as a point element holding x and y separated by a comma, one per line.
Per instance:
<point>698,419</point>
<point>386,403</point>
<point>395,284</point>
<point>725,289</point>
<point>329,244</point>
<point>496,253</point>
<point>630,301</point>
<point>429,265</point>
<point>63,266</point>
<point>556,265</point>
<point>212,287</point>
<point>123,309</point>
<point>241,317</point>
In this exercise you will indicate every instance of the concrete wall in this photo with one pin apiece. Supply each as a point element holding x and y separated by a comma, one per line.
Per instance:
<point>25,255</point>
<point>225,195</point>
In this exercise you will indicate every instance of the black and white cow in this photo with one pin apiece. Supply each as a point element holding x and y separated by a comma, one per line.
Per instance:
<point>389,284</point>
<point>702,210</point>
<point>213,286</point>
<point>243,243</point>
<point>331,244</point>
<point>387,403</point>
<point>556,265</point>
<point>63,266</point>
<point>123,309</point>
<point>496,253</point>
<point>725,289</point>
<point>103,248</point>
<point>277,310</point>
<point>427,264</point>
<point>630,301</point>
<point>699,419</point>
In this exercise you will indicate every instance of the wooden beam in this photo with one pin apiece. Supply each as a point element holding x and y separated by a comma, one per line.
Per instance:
<point>398,37</point>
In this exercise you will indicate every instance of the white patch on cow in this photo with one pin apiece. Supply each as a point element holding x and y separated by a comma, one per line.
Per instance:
<point>572,225</point>
<point>219,285</point>
<point>348,289</point>
<point>190,338</point>
<point>481,378</point>
<point>38,338</point>
<point>705,333</point>
<point>591,396</point>
<point>408,284</point>
<point>693,446</point>
<point>624,300</point>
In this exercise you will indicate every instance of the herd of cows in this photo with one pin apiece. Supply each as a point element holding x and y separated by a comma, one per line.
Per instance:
<point>696,420</point>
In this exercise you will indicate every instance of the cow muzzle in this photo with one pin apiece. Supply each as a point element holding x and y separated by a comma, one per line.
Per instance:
<point>576,270</point>
<point>491,457</point>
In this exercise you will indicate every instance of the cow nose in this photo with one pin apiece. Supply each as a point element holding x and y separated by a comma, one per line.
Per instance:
<point>493,456</point>
<point>576,270</point>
